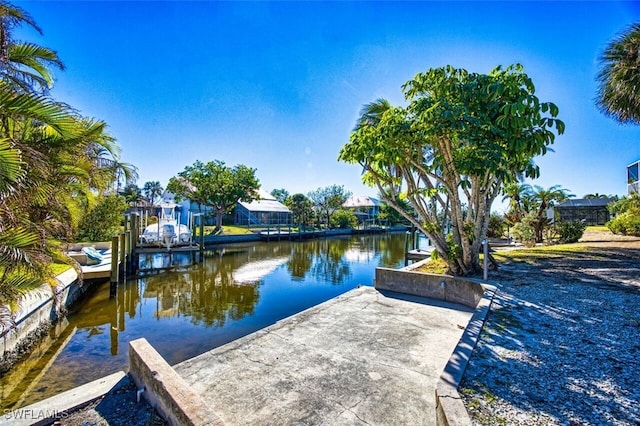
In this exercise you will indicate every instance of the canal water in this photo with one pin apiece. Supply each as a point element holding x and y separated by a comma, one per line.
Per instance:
<point>190,309</point>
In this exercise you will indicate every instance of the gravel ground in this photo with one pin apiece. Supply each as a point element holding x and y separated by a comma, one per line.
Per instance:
<point>117,408</point>
<point>561,344</point>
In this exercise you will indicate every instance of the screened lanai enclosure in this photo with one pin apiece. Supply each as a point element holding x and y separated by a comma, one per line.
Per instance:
<point>265,211</point>
<point>591,211</point>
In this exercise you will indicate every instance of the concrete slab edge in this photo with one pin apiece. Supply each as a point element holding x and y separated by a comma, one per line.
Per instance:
<point>165,390</point>
<point>450,409</point>
<point>60,406</point>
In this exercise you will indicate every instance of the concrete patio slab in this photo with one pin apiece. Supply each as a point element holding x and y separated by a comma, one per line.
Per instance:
<point>366,357</point>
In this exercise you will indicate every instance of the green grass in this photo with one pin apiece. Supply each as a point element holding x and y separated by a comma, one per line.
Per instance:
<point>542,252</point>
<point>598,228</point>
<point>59,268</point>
<point>433,266</point>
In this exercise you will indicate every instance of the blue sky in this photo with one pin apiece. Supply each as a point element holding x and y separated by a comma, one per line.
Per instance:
<point>278,86</point>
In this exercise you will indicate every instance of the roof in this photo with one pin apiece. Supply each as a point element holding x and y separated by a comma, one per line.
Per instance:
<point>585,202</point>
<point>361,201</point>
<point>266,203</point>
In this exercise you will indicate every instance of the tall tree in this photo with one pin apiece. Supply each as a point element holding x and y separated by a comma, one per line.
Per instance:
<point>328,200</point>
<point>215,185</point>
<point>132,194</point>
<point>301,208</point>
<point>280,194</point>
<point>619,77</point>
<point>152,190</point>
<point>462,136</point>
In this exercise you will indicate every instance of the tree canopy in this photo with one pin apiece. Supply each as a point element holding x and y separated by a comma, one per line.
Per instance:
<point>461,137</point>
<point>619,77</point>
<point>215,185</point>
<point>328,200</point>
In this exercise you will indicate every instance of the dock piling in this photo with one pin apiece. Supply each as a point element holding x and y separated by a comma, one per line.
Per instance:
<point>115,273</point>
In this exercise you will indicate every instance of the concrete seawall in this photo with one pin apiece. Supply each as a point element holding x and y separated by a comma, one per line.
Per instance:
<point>41,308</point>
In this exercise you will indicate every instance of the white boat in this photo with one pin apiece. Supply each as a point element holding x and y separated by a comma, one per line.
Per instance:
<point>168,231</point>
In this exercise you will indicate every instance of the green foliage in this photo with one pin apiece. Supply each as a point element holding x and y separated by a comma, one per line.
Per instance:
<point>280,194</point>
<point>449,152</point>
<point>627,223</point>
<point>301,209</point>
<point>103,221</point>
<point>618,78</point>
<point>624,204</point>
<point>570,232</point>
<point>152,190</point>
<point>525,199</point>
<point>132,194</point>
<point>344,219</point>
<point>497,226</point>
<point>627,211</point>
<point>215,185</point>
<point>52,163</point>
<point>328,200</point>
<point>524,231</point>
<point>392,216</point>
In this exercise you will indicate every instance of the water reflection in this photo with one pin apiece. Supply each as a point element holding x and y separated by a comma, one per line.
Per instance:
<point>189,309</point>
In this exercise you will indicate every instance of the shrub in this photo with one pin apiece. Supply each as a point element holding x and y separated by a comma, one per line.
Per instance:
<point>496,226</point>
<point>627,223</point>
<point>344,219</point>
<point>570,232</point>
<point>524,231</point>
<point>104,220</point>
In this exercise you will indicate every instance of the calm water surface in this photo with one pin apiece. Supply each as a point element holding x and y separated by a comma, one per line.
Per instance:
<point>189,310</point>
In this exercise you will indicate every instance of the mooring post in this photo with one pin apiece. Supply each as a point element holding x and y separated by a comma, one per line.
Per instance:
<point>201,223</point>
<point>113,288</point>
<point>127,249</point>
<point>122,252</point>
<point>135,229</point>
<point>406,248</point>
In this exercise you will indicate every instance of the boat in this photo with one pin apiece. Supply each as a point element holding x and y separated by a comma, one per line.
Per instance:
<point>168,231</point>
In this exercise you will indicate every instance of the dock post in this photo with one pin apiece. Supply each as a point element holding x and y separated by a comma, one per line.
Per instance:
<point>135,230</point>
<point>201,238</point>
<point>406,248</point>
<point>122,253</point>
<point>127,251</point>
<point>113,288</point>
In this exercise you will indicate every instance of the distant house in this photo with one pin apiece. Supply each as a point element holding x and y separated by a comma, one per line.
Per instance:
<point>366,209</point>
<point>633,177</point>
<point>593,211</point>
<point>264,211</point>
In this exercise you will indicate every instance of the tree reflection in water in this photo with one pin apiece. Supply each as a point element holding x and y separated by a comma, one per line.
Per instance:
<point>192,308</point>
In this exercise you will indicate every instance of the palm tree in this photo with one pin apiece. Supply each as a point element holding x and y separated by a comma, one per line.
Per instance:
<point>595,196</point>
<point>24,65</point>
<point>49,164</point>
<point>546,198</point>
<point>152,190</point>
<point>371,113</point>
<point>132,194</point>
<point>516,193</point>
<point>619,77</point>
